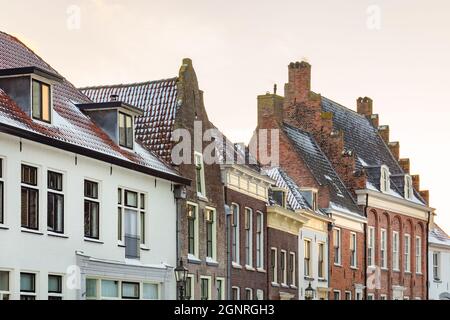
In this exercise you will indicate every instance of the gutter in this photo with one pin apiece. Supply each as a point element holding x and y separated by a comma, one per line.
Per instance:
<point>32,136</point>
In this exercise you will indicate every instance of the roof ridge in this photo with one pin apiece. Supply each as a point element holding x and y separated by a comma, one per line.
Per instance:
<point>126,85</point>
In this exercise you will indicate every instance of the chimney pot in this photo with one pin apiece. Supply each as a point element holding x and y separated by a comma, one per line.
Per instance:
<point>384,133</point>
<point>364,106</point>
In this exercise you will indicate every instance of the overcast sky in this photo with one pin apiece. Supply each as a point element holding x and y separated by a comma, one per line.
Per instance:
<point>396,52</point>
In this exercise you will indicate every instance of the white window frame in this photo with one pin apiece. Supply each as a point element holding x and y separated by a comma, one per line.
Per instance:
<point>259,294</point>
<point>383,297</point>
<point>371,246</point>
<point>284,271</point>
<point>209,287</point>
<point>248,237</point>
<point>198,157</point>
<point>37,188</point>
<point>436,257</point>
<point>151,283</point>
<point>100,208</point>
<point>235,233</point>
<point>339,294</point>
<point>408,187</point>
<point>275,266</point>
<point>247,290</point>
<point>222,281</point>
<point>100,288</point>
<point>238,290</point>
<point>418,247</point>
<point>354,252</point>
<point>196,230</point>
<point>406,298</point>
<point>260,240</point>
<point>139,211</point>
<point>407,253</point>
<point>191,295</point>
<point>36,287</point>
<point>307,258</point>
<point>8,292</point>
<point>3,197</point>
<point>292,256</point>
<point>385,180</point>
<point>383,249</point>
<point>214,232</point>
<point>321,264</point>
<point>370,296</point>
<point>349,293</point>
<point>395,251</point>
<point>338,247</point>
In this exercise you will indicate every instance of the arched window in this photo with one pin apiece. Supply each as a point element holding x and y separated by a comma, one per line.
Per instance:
<point>408,187</point>
<point>385,184</point>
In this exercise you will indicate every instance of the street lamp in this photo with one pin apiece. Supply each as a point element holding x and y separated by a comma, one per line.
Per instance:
<point>309,292</point>
<point>181,275</point>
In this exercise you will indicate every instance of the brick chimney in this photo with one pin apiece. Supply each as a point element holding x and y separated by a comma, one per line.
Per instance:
<point>270,111</point>
<point>404,163</point>
<point>364,106</point>
<point>375,119</point>
<point>299,85</point>
<point>416,181</point>
<point>384,133</point>
<point>425,194</point>
<point>395,149</point>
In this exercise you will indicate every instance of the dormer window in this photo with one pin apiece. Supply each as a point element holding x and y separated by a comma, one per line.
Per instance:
<point>385,179</point>
<point>311,196</point>
<point>279,196</point>
<point>125,130</point>
<point>41,101</point>
<point>408,187</point>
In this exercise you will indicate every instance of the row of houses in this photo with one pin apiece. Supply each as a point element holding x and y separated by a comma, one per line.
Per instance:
<point>106,191</point>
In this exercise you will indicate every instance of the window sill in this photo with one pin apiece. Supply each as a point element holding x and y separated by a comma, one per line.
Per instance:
<point>144,248</point>
<point>322,280</point>
<point>307,278</point>
<point>261,270</point>
<point>396,270</point>
<point>202,197</point>
<point>354,268</point>
<point>274,284</point>
<point>57,235</point>
<point>3,227</point>
<point>408,272</point>
<point>437,280</point>
<point>293,286</point>
<point>36,232</point>
<point>284,285</point>
<point>249,268</point>
<point>211,262</point>
<point>419,273</point>
<point>93,240</point>
<point>193,259</point>
<point>338,265</point>
<point>236,265</point>
<point>384,269</point>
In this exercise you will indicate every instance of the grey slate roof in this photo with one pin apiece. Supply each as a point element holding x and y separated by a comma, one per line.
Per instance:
<point>438,236</point>
<point>321,169</point>
<point>370,149</point>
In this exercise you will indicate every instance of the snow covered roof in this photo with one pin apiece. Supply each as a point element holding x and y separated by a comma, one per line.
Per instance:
<point>322,169</point>
<point>372,152</point>
<point>158,101</point>
<point>438,236</point>
<point>70,129</point>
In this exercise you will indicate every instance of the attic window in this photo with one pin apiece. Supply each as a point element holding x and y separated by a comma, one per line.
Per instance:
<point>279,196</point>
<point>125,130</point>
<point>41,95</point>
<point>385,184</point>
<point>408,187</point>
<point>311,196</point>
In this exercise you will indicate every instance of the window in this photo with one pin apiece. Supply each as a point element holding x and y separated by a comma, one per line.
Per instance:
<point>383,297</point>
<point>248,294</point>
<point>110,289</point>
<point>131,221</point>
<point>418,255</point>
<point>353,248</point>
<point>383,248</point>
<point>370,296</point>
<point>41,101</point>
<point>259,294</point>
<point>150,291</point>
<point>279,196</point>
<point>211,233</point>
<point>189,292</point>
<point>248,237</point>
<point>30,198</point>
<point>130,290</point>
<point>192,229</point>
<point>205,288</point>
<point>259,240</point>
<point>395,251</point>
<point>358,294</point>
<point>385,183</point>
<point>407,253</point>
<point>307,258</point>
<point>2,194</point>
<point>55,202</point>
<point>405,298</point>
<point>235,233</point>
<point>283,267</point>
<point>310,197</point>
<point>200,174</point>
<point>4,286</point>
<point>125,130</point>
<point>348,295</point>
<point>337,246</point>
<point>220,285</point>
<point>91,289</point>
<point>336,295</point>
<point>408,187</point>
<point>321,261</point>
<point>292,279</point>
<point>436,266</point>
<point>371,247</point>
<point>273,265</point>
<point>27,286</point>
<point>235,293</point>
<point>55,289</point>
<point>91,210</point>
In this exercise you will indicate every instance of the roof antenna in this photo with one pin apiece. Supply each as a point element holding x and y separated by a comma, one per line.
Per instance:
<point>275,88</point>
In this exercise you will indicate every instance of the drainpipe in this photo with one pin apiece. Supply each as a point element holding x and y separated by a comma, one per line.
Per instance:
<point>428,258</point>
<point>227,244</point>
<point>329,264</point>
<point>366,207</point>
<point>180,195</point>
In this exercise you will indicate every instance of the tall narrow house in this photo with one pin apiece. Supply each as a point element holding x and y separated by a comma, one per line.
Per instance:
<point>173,110</point>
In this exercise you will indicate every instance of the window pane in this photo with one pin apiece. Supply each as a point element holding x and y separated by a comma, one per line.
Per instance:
<point>29,175</point>
<point>151,291</point>
<point>110,289</point>
<point>131,199</point>
<point>4,281</point>
<point>142,201</point>
<point>122,132</point>
<point>37,100</point>
<point>130,290</point>
<point>129,134</point>
<point>119,224</point>
<point>45,102</point>
<point>54,284</point>
<point>55,181</point>
<point>91,288</point>
<point>90,189</point>
<point>27,282</point>
<point>142,228</point>
<point>1,202</point>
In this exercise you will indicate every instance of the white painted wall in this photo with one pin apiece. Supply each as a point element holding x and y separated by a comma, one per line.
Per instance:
<point>47,254</point>
<point>443,285</point>
<point>316,237</point>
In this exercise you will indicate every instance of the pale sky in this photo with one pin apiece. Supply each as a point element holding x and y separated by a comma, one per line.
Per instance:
<point>241,48</point>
